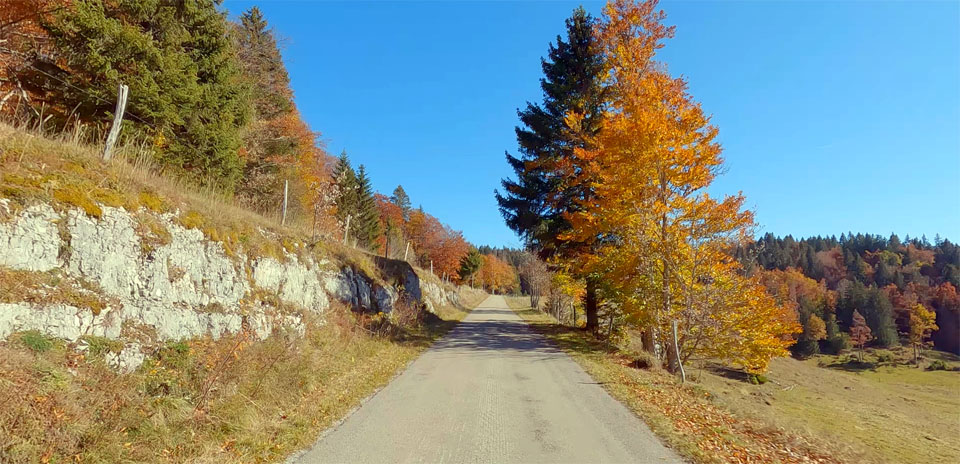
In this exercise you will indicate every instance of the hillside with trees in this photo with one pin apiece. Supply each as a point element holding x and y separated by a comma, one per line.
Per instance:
<point>904,289</point>
<point>221,114</point>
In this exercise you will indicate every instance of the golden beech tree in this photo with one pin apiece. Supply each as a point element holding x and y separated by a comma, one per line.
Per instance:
<point>663,243</point>
<point>923,321</point>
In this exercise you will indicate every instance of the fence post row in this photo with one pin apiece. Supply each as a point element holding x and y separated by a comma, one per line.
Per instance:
<point>117,121</point>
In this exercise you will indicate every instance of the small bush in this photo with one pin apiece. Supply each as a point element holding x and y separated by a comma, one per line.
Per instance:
<point>644,361</point>
<point>937,365</point>
<point>36,341</point>
<point>838,343</point>
<point>192,220</point>
<point>152,202</point>
<point>99,346</point>
<point>758,379</point>
<point>885,356</point>
<point>75,196</point>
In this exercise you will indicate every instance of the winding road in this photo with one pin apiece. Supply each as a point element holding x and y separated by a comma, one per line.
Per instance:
<point>491,391</point>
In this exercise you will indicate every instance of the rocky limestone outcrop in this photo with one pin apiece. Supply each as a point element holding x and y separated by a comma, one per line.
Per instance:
<point>186,287</point>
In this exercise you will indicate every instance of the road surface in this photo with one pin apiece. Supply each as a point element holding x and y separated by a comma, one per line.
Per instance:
<point>491,391</point>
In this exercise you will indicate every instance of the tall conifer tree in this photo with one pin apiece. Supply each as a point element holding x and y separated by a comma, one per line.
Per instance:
<point>346,199</point>
<point>535,203</point>
<point>402,200</point>
<point>367,228</point>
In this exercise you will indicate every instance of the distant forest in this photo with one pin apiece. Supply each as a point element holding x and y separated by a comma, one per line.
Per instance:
<point>883,278</point>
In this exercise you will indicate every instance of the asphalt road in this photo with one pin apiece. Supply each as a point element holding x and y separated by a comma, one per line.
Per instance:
<point>491,391</point>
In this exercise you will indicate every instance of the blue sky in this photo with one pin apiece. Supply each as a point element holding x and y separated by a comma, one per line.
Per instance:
<point>834,116</point>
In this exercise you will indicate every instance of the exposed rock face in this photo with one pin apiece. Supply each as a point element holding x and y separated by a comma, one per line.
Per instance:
<point>32,242</point>
<point>185,288</point>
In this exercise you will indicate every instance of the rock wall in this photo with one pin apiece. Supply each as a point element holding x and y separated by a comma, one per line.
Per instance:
<point>187,286</point>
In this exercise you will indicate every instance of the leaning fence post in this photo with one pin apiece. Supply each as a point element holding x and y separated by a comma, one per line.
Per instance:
<point>676,351</point>
<point>117,121</point>
<point>283,217</point>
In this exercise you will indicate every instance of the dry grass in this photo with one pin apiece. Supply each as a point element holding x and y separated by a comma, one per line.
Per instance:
<point>50,288</point>
<point>65,173</point>
<point>231,400</point>
<point>686,417</point>
<point>889,412</point>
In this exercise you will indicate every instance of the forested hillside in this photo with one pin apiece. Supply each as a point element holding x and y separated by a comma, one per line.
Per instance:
<point>210,103</point>
<point>894,284</point>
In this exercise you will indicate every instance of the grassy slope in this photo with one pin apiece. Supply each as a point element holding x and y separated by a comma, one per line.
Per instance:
<point>232,400</point>
<point>201,401</point>
<point>892,414</point>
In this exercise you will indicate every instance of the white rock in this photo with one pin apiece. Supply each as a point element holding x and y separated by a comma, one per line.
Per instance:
<point>32,241</point>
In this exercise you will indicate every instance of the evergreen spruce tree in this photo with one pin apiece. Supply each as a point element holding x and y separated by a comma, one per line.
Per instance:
<point>534,204</point>
<point>269,150</point>
<point>878,312</point>
<point>402,201</point>
<point>347,199</point>
<point>367,229</point>
<point>262,64</point>
<point>186,89</point>
<point>469,265</point>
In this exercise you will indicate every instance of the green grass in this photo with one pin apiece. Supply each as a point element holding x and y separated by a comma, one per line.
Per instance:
<point>36,341</point>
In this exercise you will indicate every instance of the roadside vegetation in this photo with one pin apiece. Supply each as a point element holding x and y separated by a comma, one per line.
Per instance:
<point>231,400</point>
<point>828,409</point>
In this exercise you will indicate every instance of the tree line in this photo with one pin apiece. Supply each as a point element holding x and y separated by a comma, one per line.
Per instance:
<point>903,292</point>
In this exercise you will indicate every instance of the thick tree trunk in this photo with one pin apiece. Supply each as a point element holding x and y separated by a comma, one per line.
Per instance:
<point>590,306</point>
<point>649,339</point>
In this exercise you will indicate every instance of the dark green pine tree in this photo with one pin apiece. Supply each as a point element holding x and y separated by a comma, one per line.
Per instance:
<point>346,198</point>
<point>367,229</point>
<point>186,89</point>
<point>879,314</point>
<point>469,265</point>
<point>262,65</point>
<point>402,200</point>
<point>268,147</point>
<point>534,204</point>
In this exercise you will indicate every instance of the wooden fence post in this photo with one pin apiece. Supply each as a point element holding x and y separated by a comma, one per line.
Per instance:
<point>117,121</point>
<point>316,212</point>
<point>676,352</point>
<point>283,218</point>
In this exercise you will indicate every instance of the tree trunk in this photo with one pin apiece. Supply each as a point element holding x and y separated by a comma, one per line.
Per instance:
<point>590,305</point>
<point>649,339</point>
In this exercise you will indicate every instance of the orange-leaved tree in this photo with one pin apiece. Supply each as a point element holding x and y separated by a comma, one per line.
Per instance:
<point>497,276</point>
<point>664,244</point>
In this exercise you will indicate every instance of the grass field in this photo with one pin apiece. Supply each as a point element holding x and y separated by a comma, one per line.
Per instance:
<point>891,413</point>
<point>806,413</point>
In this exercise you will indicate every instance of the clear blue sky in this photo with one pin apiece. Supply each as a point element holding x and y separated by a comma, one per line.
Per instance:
<point>835,116</point>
